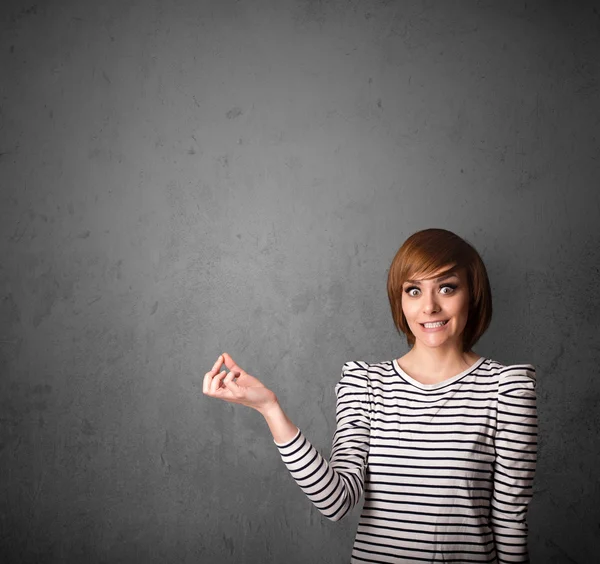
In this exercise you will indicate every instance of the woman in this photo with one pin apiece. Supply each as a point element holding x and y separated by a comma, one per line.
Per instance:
<point>441,441</point>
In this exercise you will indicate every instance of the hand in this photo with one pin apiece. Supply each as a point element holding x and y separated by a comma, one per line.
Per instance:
<point>237,386</point>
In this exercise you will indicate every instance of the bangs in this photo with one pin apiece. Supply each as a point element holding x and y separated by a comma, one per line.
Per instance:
<point>434,270</point>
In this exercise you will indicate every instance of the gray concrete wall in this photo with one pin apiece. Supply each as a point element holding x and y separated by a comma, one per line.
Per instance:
<point>184,178</point>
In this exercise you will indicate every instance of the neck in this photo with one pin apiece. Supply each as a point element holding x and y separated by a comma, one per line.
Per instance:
<point>439,361</point>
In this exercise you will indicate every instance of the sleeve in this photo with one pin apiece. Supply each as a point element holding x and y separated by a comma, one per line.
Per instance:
<point>335,487</point>
<point>515,446</point>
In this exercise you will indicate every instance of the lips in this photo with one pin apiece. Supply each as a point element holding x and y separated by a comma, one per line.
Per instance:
<point>444,320</point>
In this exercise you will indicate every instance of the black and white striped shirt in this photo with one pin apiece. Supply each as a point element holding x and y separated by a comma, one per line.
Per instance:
<point>446,469</point>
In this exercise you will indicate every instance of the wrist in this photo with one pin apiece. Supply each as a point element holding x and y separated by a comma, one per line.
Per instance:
<point>282,429</point>
<point>270,410</point>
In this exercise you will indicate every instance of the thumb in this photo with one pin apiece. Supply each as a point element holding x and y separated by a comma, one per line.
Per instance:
<point>229,362</point>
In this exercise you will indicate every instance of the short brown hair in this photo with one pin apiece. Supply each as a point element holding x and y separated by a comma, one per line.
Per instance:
<point>423,254</point>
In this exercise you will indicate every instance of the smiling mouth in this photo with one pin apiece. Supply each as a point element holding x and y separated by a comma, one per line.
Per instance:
<point>435,324</point>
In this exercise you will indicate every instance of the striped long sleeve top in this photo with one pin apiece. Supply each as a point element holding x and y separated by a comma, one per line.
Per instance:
<point>446,469</point>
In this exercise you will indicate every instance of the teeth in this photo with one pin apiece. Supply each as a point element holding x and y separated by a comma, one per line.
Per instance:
<point>432,325</point>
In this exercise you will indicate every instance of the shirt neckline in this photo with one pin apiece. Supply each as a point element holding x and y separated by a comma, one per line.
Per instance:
<point>441,384</point>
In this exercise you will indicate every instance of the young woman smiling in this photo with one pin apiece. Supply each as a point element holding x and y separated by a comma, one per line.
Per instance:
<point>441,442</point>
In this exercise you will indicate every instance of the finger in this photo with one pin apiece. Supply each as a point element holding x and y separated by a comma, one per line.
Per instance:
<point>208,378</point>
<point>211,373</point>
<point>231,378</point>
<point>230,363</point>
<point>217,364</point>
<point>206,382</point>
<point>215,383</point>
<point>230,383</point>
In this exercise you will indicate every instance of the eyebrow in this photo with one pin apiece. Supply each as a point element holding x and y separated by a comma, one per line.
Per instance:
<point>449,275</point>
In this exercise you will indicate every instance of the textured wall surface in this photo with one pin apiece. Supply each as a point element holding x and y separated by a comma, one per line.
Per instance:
<point>183,178</point>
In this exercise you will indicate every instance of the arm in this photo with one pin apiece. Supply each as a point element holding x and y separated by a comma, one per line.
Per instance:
<point>334,487</point>
<point>514,468</point>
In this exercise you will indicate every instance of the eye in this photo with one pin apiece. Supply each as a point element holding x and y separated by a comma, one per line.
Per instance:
<point>451,286</point>
<point>410,289</point>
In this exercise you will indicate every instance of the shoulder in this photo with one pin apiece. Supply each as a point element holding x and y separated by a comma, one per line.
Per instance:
<point>355,373</point>
<point>366,374</point>
<point>507,371</point>
<point>514,377</point>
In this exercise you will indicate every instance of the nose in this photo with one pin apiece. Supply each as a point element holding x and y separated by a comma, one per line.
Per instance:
<point>430,304</point>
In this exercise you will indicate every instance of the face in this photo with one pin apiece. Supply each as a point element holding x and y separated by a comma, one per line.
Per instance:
<point>445,299</point>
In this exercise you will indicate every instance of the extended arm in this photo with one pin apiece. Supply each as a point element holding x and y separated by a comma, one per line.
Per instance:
<point>335,486</point>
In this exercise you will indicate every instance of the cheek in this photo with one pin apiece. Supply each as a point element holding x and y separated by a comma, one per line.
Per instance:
<point>462,310</point>
<point>408,308</point>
